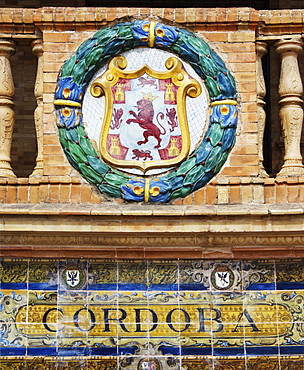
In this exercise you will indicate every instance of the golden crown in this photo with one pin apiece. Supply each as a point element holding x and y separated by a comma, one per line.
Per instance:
<point>148,96</point>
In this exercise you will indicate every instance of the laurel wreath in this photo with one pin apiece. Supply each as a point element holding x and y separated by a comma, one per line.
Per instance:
<point>201,165</point>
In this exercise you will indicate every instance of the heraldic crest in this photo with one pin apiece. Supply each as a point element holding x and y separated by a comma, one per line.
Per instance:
<point>146,111</point>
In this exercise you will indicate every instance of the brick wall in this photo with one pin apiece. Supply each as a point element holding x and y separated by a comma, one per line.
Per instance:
<point>231,32</point>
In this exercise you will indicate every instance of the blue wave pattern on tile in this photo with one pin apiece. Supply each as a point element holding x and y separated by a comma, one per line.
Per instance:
<point>217,308</point>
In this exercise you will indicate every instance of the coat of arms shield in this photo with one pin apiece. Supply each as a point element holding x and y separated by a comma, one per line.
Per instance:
<point>145,123</point>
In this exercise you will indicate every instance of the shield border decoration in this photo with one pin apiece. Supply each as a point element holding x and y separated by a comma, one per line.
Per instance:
<point>201,165</point>
<point>187,86</point>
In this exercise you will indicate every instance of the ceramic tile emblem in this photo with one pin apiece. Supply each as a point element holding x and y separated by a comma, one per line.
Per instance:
<point>151,314</point>
<point>144,98</point>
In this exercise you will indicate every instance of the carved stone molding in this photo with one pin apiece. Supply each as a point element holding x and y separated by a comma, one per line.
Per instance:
<point>7,115</point>
<point>37,49</point>
<point>291,112</point>
<point>261,50</point>
<point>198,245</point>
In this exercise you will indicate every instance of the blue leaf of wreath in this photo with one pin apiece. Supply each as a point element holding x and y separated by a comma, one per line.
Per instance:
<point>65,86</point>
<point>226,88</point>
<point>203,151</point>
<point>164,35</point>
<point>228,138</point>
<point>164,190</point>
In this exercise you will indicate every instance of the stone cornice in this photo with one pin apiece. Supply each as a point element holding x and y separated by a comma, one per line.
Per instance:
<point>163,232</point>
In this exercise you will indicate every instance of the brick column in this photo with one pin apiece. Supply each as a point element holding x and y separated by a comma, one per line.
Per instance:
<point>37,49</point>
<point>291,112</point>
<point>261,50</point>
<point>7,115</point>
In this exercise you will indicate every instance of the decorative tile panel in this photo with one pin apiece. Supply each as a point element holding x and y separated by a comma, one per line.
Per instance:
<point>151,314</point>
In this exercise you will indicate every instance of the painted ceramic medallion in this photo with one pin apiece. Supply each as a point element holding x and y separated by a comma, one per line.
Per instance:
<point>148,364</point>
<point>73,277</point>
<point>132,103</point>
<point>222,277</point>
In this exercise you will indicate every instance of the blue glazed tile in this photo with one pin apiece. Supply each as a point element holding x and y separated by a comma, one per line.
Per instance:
<point>196,351</point>
<point>103,351</point>
<point>109,287</point>
<point>229,351</point>
<point>175,351</point>
<point>14,286</point>
<point>126,350</point>
<point>262,286</point>
<point>132,287</point>
<point>290,285</point>
<point>72,351</point>
<point>13,351</point>
<point>41,351</point>
<point>185,287</point>
<point>292,350</point>
<point>262,350</point>
<point>162,287</point>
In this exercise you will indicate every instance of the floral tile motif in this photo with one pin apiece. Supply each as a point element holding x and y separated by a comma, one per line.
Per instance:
<point>92,314</point>
<point>289,274</point>
<point>236,363</point>
<point>263,362</point>
<point>102,275</point>
<point>13,274</point>
<point>163,275</point>
<point>292,363</point>
<point>195,363</point>
<point>132,275</point>
<point>43,274</point>
<point>258,275</point>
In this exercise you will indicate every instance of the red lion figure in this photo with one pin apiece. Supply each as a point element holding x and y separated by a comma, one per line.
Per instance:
<point>117,114</point>
<point>171,114</point>
<point>144,81</point>
<point>144,154</point>
<point>145,120</point>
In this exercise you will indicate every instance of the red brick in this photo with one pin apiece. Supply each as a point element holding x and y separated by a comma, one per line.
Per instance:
<point>76,194</point>
<point>281,192</point>
<point>188,201</point>
<point>34,194</point>
<point>199,196</point>
<point>2,193</point>
<point>269,193</point>
<point>44,193</point>
<point>211,194</point>
<point>86,194</point>
<point>293,193</point>
<point>22,194</point>
<point>11,194</point>
<point>65,193</point>
<point>54,193</point>
<point>235,194</point>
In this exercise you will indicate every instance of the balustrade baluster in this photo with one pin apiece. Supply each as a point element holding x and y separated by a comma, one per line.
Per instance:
<point>291,112</point>
<point>7,115</point>
<point>37,49</point>
<point>261,50</point>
